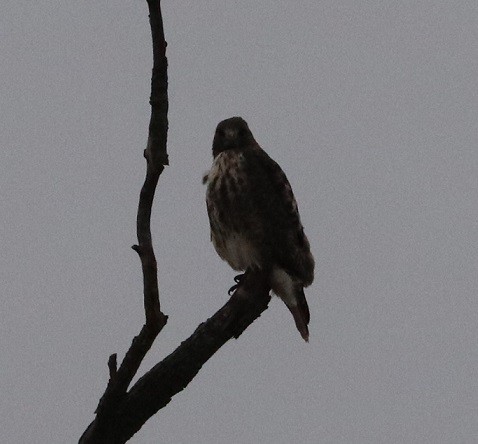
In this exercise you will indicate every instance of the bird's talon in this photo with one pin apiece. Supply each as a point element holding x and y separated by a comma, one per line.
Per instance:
<point>232,289</point>
<point>238,278</point>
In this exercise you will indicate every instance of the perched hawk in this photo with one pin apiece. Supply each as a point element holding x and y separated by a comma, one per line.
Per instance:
<point>254,218</point>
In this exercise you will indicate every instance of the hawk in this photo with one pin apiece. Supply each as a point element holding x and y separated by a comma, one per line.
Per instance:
<point>254,219</point>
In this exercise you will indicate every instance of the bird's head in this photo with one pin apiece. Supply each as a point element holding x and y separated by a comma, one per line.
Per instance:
<point>230,134</point>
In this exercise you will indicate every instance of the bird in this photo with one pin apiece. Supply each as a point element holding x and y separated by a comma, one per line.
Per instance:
<point>254,219</point>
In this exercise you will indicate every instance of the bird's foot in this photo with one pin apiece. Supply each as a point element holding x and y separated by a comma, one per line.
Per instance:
<point>237,280</point>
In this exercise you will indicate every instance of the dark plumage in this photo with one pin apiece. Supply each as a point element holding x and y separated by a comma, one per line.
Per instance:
<point>254,218</point>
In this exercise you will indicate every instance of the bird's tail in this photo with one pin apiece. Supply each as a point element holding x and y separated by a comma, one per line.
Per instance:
<point>301,314</point>
<point>291,291</point>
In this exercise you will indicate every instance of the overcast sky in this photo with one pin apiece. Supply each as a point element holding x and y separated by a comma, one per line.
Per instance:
<point>371,109</point>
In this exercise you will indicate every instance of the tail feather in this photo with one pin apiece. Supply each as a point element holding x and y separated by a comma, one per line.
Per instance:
<point>291,291</point>
<point>301,315</point>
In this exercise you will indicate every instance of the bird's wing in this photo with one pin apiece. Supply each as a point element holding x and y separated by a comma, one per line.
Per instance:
<point>274,202</point>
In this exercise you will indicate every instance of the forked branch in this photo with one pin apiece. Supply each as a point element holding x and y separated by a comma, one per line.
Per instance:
<point>156,157</point>
<point>122,412</point>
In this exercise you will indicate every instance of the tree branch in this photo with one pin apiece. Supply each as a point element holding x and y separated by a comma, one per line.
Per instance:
<point>121,413</point>
<point>156,388</point>
<point>156,158</point>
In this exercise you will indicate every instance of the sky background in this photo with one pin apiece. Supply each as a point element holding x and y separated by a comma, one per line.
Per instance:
<point>370,107</point>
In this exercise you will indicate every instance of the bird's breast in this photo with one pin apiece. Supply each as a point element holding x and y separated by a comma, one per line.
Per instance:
<point>226,200</point>
<point>227,191</point>
<point>237,250</point>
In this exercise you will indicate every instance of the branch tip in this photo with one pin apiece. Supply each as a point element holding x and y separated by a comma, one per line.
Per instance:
<point>113,366</point>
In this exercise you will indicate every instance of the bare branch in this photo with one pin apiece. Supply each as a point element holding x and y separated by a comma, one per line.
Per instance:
<point>121,413</point>
<point>112,366</point>
<point>156,157</point>
<point>156,388</point>
<point>158,125</point>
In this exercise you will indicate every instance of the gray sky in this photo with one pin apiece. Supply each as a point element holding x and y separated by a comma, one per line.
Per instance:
<point>371,109</point>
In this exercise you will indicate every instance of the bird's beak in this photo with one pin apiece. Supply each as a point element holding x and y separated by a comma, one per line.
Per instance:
<point>230,133</point>
<point>230,137</point>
